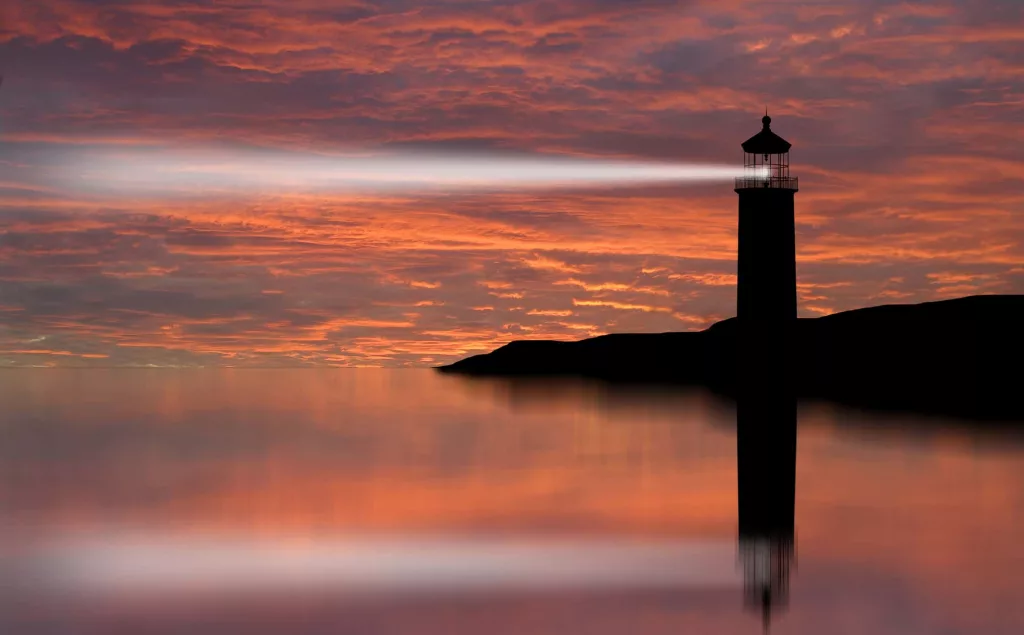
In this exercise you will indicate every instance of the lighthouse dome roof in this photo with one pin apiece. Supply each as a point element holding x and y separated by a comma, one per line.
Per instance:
<point>766,141</point>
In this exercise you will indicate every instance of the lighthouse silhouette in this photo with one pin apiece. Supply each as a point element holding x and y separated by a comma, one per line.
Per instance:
<point>766,300</point>
<point>766,294</point>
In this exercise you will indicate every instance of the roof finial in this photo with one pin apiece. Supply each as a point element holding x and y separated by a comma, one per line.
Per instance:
<point>766,120</point>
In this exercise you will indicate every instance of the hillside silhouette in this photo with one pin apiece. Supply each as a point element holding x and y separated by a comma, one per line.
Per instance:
<point>958,357</point>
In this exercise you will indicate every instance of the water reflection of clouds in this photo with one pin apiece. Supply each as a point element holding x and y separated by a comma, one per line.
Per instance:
<point>351,448</point>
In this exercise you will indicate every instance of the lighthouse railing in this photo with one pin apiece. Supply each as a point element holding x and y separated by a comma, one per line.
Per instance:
<point>773,182</point>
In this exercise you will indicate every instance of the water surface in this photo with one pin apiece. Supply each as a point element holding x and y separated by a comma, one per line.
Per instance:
<point>393,501</point>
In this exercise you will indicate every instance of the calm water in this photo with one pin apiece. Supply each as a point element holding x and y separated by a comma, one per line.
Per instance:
<point>373,501</point>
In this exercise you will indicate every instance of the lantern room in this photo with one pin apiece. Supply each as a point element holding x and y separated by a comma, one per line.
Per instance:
<point>766,161</point>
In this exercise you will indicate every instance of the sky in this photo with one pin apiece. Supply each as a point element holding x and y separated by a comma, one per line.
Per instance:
<point>904,119</point>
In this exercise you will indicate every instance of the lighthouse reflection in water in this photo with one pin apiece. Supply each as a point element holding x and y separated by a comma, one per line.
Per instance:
<point>766,479</point>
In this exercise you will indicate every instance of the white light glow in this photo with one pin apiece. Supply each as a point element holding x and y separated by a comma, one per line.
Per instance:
<point>371,564</point>
<point>170,171</point>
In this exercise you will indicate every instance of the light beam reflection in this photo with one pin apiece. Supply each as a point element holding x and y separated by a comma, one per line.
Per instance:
<point>151,564</point>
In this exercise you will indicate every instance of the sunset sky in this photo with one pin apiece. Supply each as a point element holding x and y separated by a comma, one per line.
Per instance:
<point>905,117</point>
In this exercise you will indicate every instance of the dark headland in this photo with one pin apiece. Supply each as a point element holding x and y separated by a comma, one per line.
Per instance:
<point>958,357</point>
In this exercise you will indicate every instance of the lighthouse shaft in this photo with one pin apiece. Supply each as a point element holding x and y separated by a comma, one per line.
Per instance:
<point>766,293</point>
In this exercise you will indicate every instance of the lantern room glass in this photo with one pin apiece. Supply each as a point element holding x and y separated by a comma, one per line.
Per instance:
<point>776,165</point>
<point>766,170</point>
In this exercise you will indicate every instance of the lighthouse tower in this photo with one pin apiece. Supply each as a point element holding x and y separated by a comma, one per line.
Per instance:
<point>766,294</point>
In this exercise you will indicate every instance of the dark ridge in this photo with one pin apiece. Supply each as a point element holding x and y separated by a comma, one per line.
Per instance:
<point>956,357</point>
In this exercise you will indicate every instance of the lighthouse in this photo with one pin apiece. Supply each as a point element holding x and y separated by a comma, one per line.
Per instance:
<point>766,293</point>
